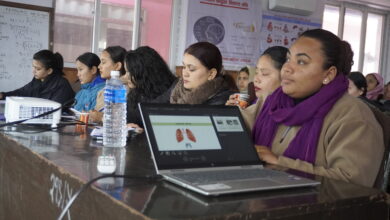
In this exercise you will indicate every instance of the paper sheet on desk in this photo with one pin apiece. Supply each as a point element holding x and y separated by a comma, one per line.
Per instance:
<point>74,111</point>
<point>98,131</point>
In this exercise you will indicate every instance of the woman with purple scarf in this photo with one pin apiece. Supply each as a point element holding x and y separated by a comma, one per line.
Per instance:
<point>311,123</point>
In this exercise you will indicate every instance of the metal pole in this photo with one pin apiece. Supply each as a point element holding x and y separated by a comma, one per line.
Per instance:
<point>136,24</point>
<point>362,40</point>
<point>96,27</point>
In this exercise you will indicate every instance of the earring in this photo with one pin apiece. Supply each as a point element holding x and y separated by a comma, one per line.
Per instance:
<point>325,81</point>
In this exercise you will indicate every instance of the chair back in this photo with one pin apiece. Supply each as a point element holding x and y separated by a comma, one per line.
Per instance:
<point>382,179</point>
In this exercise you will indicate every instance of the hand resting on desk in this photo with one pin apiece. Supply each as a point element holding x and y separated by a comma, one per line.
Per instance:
<point>137,128</point>
<point>265,154</point>
<point>95,116</point>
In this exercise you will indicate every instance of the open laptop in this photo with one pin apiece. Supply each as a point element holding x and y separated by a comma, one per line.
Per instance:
<point>207,149</point>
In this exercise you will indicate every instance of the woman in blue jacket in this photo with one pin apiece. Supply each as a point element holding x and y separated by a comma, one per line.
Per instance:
<point>91,82</point>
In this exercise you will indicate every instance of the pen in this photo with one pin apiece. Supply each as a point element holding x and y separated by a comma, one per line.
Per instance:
<point>101,110</point>
<point>285,134</point>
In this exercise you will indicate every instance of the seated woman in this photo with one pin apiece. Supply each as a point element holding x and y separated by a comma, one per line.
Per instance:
<point>202,80</point>
<point>244,77</point>
<point>357,87</point>
<point>311,123</point>
<point>48,82</point>
<point>110,59</point>
<point>374,86</point>
<point>148,77</point>
<point>357,84</point>
<point>267,77</point>
<point>91,82</point>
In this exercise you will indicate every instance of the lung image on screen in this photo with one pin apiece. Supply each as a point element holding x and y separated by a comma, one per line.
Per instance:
<point>176,133</point>
<point>181,133</point>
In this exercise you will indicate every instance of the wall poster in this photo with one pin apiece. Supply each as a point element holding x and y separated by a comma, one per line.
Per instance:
<point>232,25</point>
<point>279,29</point>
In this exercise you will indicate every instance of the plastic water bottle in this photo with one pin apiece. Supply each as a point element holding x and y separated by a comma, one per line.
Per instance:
<point>114,119</point>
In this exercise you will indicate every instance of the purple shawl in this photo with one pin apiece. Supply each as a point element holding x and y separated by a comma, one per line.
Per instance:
<point>378,90</point>
<point>309,114</point>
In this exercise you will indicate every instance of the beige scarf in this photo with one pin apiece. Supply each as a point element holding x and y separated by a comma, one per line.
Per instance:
<point>181,95</point>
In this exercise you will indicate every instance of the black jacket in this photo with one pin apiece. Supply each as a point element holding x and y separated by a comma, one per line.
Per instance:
<point>133,114</point>
<point>55,87</point>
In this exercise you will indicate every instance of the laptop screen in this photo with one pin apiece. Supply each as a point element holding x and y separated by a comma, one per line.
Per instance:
<point>190,136</point>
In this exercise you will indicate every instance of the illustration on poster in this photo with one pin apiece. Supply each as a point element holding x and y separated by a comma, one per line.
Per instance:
<point>269,26</point>
<point>209,29</point>
<point>285,41</point>
<point>269,38</point>
<point>285,29</point>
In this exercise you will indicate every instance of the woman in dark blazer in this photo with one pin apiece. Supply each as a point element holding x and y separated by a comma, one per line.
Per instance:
<point>48,81</point>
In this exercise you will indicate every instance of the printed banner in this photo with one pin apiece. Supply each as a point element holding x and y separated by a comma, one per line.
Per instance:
<point>233,26</point>
<point>279,29</point>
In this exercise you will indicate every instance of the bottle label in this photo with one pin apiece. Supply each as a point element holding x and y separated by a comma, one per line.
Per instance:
<point>108,95</point>
<point>115,96</point>
<point>120,96</point>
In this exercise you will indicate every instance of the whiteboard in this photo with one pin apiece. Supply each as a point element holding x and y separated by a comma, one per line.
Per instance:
<point>23,32</point>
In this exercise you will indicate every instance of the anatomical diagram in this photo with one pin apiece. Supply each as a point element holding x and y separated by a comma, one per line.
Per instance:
<point>179,135</point>
<point>190,135</point>
<point>182,133</point>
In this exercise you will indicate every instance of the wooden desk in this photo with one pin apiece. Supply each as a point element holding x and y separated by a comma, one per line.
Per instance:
<point>39,172</point>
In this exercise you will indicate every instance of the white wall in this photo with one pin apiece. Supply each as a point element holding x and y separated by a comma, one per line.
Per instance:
<point>43,3</point>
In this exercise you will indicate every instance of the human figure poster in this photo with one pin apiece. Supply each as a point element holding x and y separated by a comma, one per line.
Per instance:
<point>280,29</point>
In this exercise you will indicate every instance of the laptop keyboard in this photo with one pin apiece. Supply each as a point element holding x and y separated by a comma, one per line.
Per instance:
<point>221,175</point>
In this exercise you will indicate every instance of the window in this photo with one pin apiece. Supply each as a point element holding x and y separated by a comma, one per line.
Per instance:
<point>116,24</point>
<point>73,23</point>
<point>352,33</point>
<point>372,49</point>
<point>74,29</point>
<point>362,28</point>
<point>331,16</point>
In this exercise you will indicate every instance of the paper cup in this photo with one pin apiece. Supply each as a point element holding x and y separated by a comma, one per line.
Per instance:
<point>84,116</point>
<point>242,99</point>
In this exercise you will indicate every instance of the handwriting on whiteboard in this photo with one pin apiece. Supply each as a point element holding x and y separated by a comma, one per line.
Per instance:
<point>23,32</point>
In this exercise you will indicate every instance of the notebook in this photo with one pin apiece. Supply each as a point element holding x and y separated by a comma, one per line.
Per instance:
<point>207,149</point>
